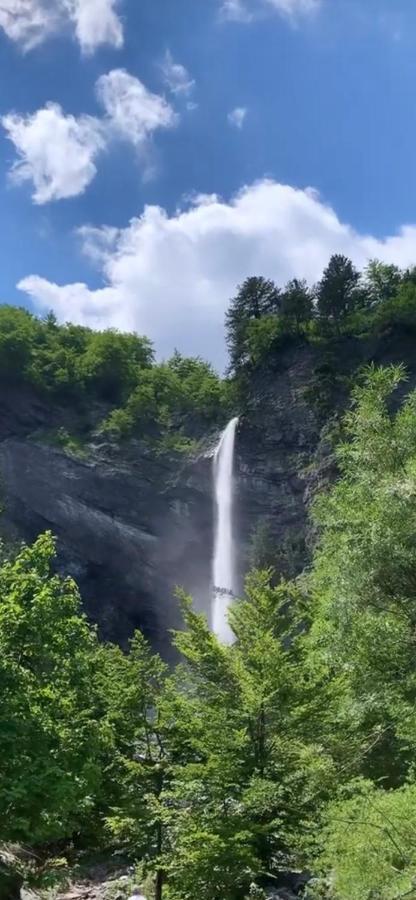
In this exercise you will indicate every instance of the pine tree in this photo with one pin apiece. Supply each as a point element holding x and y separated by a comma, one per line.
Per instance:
<point>256,297</point>
<point>297,305</point>
<point>337,291</point>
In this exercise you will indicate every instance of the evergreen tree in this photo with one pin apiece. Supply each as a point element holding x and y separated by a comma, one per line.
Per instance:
<point>256,298</point>
<point>337,291</point>
<point>250,768</point>
<point>297,305</point>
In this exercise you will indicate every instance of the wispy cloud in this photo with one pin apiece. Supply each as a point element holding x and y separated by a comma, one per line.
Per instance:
<point>235,11</point>
<point>237,117</point>
<point>176,77</point>
<point>246,10</point>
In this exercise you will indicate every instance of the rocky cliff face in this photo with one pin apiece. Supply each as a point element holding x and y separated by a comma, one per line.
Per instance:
<point>131,526</point>
<point>285,441</point>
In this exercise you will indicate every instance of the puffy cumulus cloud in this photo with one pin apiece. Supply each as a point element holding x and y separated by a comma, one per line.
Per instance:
<point>96,22</point>
<point>176,77</point>
<point>245,10</point>
<point>30,22</point>
<point>237,117</point>
<point>55,152</point>
<point>171,277</point>
<point>133,111</point>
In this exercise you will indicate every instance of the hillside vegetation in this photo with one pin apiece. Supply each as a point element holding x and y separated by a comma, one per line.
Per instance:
<point>292,749</point>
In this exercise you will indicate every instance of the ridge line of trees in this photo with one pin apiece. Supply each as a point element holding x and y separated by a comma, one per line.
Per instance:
<point>262,317</point>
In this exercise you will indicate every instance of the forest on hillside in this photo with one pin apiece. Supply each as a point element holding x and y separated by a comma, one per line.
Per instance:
<point>115,381</point>
<point>294,748</point>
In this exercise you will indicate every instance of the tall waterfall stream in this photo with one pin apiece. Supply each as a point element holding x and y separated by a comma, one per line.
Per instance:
<point>223,566</point>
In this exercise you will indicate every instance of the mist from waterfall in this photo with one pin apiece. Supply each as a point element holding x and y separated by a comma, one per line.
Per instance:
<point>223,566</point>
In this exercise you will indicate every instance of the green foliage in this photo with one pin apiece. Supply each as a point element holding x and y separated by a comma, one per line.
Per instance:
<point>297,305</point>
<point>399,309</point>
<point>49,737</point>
<point>174,403</point>
<point>73,444</point>
<point>256,298</point>
<point>370,844</point>
<point>263,338</point>
<point>362,635</point>
<point>263,320</point>
<point>17,336</point>
<point>295,746</point>
<point>70,360</point>
<point>383,281</point>
<point>112,363</point>
<point>251,775</point>
<point>169,405</point>
<point>337,290</point>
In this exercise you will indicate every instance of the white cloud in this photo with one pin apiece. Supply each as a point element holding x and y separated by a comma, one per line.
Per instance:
<point>245,10</point>
<point>235,11</point>
<point>294,7</point>
<point>30,22</point>
<point>56,152</point>
<point>176,77</point>
<point>171,277</point>
<point>237,117</point>
<point>132,110</point>
<point>96,22</point>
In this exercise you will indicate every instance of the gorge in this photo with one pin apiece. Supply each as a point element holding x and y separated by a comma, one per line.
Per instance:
<point>131,525</point>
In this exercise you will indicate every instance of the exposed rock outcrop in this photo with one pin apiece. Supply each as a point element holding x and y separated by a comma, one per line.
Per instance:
<point>129,527</point>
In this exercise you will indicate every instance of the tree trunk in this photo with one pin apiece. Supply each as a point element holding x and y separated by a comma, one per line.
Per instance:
<point>159,885</point>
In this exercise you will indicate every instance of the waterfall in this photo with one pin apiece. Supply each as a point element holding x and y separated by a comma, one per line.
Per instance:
<point>223,562</point>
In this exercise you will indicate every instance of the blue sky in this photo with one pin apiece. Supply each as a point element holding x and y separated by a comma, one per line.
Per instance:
<point>298,115</point>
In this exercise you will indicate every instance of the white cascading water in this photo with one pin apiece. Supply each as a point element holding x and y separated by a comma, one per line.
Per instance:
<point>223,567</point>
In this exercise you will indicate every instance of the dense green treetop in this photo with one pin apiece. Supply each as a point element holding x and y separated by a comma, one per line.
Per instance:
<point>168,404</point>
<point>262,318</point>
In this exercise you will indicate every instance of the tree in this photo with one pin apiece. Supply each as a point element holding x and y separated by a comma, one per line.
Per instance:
<point>18,331</point>
<point>337,291</point>
<point>369,843</point>
<point>172,404</point>
<point>297,305</point>
<point>364,577</point>
<point>50,744</point>
<point>247,768</point>
<point>112,362</point>
<point>383,281</point>
<point>141,762</point>
<point>256,297</point>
